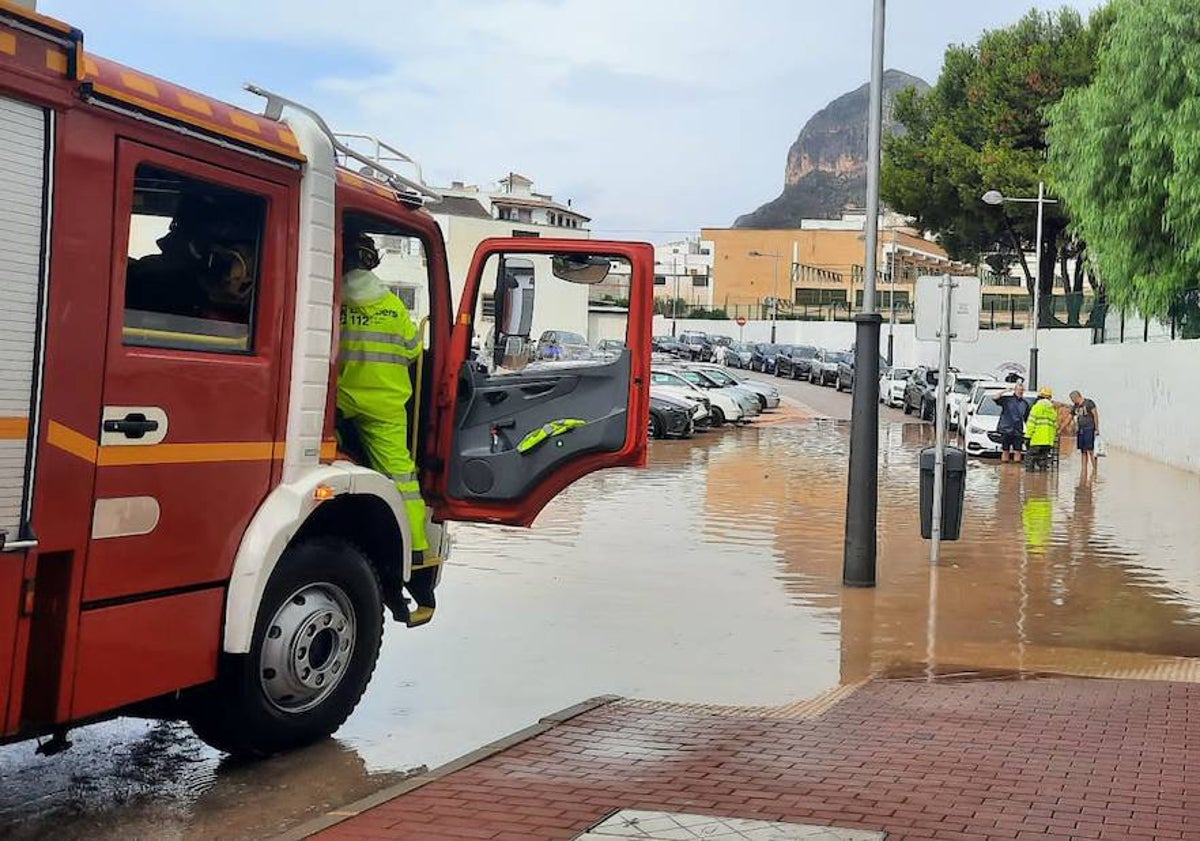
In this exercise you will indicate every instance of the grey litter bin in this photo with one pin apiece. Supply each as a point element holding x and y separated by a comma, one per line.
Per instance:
<point>953,492</point>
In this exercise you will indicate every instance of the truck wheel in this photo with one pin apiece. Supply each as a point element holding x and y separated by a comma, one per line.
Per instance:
<point>315,643</point>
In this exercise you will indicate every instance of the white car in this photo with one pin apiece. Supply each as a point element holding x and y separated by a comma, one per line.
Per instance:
<point>981,437</point>
<point>768,395</point>
<point>724,409</point>
<point>891,386</point>
<point>961,387</point>
<point>699,405</point>
<point>978,392</point>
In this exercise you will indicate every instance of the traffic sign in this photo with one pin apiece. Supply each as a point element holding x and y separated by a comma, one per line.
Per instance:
<point>741,321</point>
<point>965,299</point>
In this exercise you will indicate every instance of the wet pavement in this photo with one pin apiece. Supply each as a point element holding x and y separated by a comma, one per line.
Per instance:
<point>712,577</point>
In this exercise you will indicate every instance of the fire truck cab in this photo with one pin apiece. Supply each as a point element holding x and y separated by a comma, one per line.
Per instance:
<point>181,534</point>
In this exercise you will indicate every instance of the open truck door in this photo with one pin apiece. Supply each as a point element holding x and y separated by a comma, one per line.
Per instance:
<point>519,420</point>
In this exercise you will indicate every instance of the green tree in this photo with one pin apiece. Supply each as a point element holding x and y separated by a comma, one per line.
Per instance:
<point>982,127</point>
<point>1125,155</point>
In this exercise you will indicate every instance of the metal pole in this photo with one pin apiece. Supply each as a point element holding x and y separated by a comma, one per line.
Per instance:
<point>775,298</point>
<point>892,315</point>
<point>862,487</point>
<point>1037,290</point>
<point>939,462</point>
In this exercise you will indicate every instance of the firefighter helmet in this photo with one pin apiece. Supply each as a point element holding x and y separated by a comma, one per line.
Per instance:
<point>360,252</point>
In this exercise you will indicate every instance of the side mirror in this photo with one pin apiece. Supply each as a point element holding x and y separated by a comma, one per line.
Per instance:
<point>514,300</point>
<point>588,269</point>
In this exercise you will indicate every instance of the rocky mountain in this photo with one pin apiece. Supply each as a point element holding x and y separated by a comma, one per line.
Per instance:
<point>827,165</point>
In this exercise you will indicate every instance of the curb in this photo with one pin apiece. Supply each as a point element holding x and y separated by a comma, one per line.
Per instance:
<point>425,777</point>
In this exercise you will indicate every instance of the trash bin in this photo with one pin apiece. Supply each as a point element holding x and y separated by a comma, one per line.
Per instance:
<point>953,492</point>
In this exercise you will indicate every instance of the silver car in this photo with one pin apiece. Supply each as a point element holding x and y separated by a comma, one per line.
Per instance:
<point>745,398</point>
<point>768,395</point>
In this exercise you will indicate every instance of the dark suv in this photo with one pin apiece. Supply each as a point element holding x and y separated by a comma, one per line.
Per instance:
<point>794,361</point>
<point>698,346</point>
<point>920,395</point>
<point>763,358</point>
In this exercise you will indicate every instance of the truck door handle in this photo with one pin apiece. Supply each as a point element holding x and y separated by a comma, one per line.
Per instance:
<point>133,425</point>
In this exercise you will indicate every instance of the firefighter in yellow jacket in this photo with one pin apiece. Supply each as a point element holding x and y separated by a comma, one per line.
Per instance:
<point>1041,428</point>
<point>379,342</point>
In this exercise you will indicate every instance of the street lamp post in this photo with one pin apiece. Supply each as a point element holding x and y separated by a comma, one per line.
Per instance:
<point>862,487</point>
<point>775,289</point>
<point>996,198</point>
<point>892,315</point>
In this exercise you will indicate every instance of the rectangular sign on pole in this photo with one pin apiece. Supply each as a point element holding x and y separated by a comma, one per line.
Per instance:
<point>965,305</point>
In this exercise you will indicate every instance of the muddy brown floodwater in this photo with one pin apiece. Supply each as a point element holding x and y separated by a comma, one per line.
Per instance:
<point>713,576</point>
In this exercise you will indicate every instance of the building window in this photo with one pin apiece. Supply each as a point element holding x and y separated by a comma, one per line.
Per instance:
<point>517,233</point>
<point>820,297</point>
<point>193,263</point>
<point>700,281</point>
<point>487,310</point>
<point>706,251</point>
<point>660,280</point>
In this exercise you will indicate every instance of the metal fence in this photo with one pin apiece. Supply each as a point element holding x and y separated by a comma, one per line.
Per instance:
<point>1125,326</point>
<point>998,312</point>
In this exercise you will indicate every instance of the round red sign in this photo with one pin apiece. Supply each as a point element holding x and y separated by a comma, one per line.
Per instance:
<point>741,321</point>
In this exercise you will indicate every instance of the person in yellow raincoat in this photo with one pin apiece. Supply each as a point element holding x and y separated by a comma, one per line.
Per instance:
<point>379,342</point>
<point>1041,428</point>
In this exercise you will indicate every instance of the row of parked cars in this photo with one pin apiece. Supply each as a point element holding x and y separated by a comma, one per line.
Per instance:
<point>686,396</point>
<point>971,407</point>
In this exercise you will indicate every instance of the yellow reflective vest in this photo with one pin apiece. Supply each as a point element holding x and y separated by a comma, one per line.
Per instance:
<point>1041,427</point>
<point>379,341</point>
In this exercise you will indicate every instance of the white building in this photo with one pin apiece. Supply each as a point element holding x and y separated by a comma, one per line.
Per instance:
<point>467,216</point>
<point>683,270</point>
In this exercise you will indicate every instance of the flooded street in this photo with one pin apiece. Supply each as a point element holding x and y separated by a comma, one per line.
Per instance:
<point>714,576</point>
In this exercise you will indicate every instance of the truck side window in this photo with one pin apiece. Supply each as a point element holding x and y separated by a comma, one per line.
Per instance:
<point>194,261</point>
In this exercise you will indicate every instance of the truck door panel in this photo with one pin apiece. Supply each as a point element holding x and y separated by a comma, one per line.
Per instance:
<point>500,411</point>
<point>521,421</point>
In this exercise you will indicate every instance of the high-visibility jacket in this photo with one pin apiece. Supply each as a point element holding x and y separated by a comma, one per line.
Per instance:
<point>1041,427</point>
<point>379,341</point>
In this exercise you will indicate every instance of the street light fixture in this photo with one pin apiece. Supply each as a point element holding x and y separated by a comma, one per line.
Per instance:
<point>775,293</point>
<point>995,198</point>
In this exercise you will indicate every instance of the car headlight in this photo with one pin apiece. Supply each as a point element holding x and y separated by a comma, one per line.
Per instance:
<point>976,429</point>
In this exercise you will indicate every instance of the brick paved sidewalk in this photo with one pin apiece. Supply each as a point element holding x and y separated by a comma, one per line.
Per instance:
<point>1055,758</point>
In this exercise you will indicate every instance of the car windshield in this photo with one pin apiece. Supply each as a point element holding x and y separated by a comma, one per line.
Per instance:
<point>838,357</point>
<point>963,386</point>
<point>900,373</point>
<point>768,349</point>
<point>989,406</point>
<point>695,377</point>
<point>720,377</point>
<point>566,338</point>
<point>806,352</point>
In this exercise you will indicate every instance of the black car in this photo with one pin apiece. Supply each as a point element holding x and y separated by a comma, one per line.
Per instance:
<point>697,346</point>
<point>762,358</point>
<point>920,394</point>
<point>845,374</point>
<point>794,361</point>
<point>670,418</point>
<point>669,344</point>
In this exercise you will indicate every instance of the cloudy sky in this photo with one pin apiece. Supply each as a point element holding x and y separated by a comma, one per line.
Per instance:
<point>656,117</point>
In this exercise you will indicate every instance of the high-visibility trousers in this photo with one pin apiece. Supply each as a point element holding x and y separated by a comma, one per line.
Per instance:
<point>386,443</point>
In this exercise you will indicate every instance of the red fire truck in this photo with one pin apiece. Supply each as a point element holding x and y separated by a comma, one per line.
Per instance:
<point>180,535</point>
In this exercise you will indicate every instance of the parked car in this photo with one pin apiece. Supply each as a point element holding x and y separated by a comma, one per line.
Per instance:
<point>891,386</point>
<point>762,358</point>
<point>920,393</point>
<point>746,399</point>
<point>768,395</point>
<point>698,345</point>
<point>845,374</point>
<point>723,408</point>
<point>671,417</point>
<point>609,348</point>
<point>700,405</point>
<point>794,361</point>
<point>738,355</point>
<point>960,388</point>
<point>978,392</point>
<point>562,345</point>
<point>981,437</point>
<point>823,368</point>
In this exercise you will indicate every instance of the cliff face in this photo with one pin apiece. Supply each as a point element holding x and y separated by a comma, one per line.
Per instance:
<point>827,165</point>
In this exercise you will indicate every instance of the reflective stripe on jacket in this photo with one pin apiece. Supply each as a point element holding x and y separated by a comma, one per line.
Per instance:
<point>1041,428</point>
<point>378,342</point>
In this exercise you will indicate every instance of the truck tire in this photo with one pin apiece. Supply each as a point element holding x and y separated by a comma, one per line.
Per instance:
<point>316,640</point>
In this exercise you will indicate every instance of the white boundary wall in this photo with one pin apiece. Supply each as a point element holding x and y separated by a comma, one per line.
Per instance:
<point>1147,402</point>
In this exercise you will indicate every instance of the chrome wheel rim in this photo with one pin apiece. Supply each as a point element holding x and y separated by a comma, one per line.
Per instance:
<point>307,648</point>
